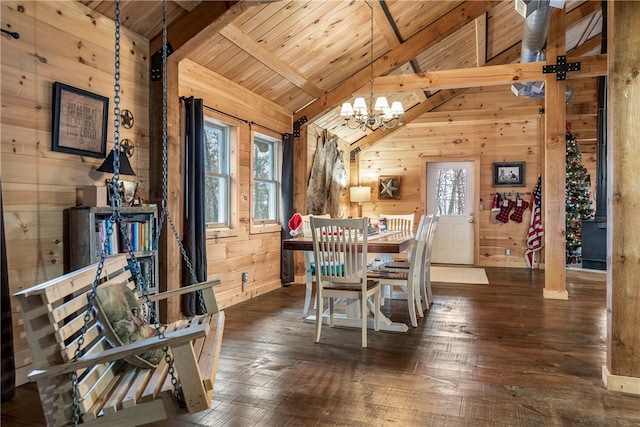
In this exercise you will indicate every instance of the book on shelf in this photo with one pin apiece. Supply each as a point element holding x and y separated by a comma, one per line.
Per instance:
<point>139,233</point>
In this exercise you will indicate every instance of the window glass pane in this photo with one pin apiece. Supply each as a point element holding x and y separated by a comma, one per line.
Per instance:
<point>215,149</point>
<point>216,206</point>
<point>264,201</point>
<point>451,187</point>
<point>217,177</point>
<point>263,159</point>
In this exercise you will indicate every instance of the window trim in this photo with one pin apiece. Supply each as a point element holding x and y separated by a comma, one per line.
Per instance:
<point>268,225</point>
<point>230,229</point>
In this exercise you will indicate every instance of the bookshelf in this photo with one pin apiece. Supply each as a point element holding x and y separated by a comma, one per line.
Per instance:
<point>88,230</point>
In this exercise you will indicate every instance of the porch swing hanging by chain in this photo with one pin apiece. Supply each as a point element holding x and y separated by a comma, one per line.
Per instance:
<point>116,217</point>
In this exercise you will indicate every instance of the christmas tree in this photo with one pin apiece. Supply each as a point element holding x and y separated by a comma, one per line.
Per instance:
<point>578,203</point>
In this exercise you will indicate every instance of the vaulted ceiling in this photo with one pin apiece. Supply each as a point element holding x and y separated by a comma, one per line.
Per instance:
<point>310,56</point>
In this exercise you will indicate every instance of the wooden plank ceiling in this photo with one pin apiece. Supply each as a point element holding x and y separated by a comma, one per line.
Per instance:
<point>310,56</point>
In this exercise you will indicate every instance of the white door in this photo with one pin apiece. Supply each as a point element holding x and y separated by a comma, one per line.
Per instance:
<point>450,196</point>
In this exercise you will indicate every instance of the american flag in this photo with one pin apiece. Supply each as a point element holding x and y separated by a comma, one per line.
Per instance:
<point>534,238</point>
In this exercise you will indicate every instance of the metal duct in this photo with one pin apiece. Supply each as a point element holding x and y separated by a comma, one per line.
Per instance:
<point>534,39</point>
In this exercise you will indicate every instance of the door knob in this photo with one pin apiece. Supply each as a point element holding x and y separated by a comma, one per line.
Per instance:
<point>471,221</point>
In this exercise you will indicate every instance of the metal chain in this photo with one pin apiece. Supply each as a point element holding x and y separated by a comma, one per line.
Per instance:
<point>116,205</point>
<point>164,213</point>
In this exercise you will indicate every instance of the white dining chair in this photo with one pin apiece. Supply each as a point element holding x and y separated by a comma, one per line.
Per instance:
<point>403,265</point>
<point>409,279</point>
<point>396,222</point>
<point>309,264</point>
<point>402,222</point>
<point>340,253</point>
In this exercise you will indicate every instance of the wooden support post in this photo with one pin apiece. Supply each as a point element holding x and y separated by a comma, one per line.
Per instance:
<point>300,179</point>
<point>555,168</point>
<point>622,371</point>
<point>354,180</point>
<point>169,257</point>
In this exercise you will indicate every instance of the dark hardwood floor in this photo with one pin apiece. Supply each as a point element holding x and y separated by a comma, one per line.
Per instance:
<point>484,355</point>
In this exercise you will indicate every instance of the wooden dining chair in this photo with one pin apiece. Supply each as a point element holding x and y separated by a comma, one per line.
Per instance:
<point>403,222</point>
<point>397,222</point>
<point>340,253</point>
<point>427,292</point>
<point>410,279</point>
<point>424,298</point>
<point>309,264</point>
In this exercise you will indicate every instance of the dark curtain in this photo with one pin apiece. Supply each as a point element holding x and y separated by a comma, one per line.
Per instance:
<point>8,366</point>
<point>287,274</point>
<point>194,207</point>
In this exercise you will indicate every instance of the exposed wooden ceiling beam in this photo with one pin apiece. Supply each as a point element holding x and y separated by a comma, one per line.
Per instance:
<point>203,22</point>
<point>187,5</point>
<point>384,26</point>
<point>464,117</point>
<point>448,24</point>
<point>269,59</point>
<point>590,66</point>
<point>590,47</point>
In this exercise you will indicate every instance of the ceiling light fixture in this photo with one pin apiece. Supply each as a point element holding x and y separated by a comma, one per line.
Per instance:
<point>373,116</point>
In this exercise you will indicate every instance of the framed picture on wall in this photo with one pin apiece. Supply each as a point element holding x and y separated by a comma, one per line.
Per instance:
<point>508,174</point>
<point>79,123</point>
<point>389,187</point>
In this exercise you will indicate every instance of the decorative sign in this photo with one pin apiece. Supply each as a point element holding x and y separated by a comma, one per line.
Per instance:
<point>79,121</point>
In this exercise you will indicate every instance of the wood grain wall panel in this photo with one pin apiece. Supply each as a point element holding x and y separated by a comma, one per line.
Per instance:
<point>239,251</point>
<point>505,139</point>
<point>66,42</point>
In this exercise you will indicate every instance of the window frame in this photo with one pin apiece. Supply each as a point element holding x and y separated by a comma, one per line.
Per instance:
<point>269,225</point>
<point>216,230</point>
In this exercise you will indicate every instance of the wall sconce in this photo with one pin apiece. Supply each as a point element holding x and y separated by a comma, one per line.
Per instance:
<point>358,195</point>
<point>127,189</point>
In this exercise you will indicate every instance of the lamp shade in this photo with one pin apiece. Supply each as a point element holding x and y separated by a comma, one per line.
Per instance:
<point>359,194</point>
<point>125,166</point>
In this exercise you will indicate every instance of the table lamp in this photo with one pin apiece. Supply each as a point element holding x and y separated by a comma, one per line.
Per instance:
<point>358,195</point>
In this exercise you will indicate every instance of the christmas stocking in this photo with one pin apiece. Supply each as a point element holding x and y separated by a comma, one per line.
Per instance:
<point>518,210</point>
<point>505,207</point>
<point>495,208</point>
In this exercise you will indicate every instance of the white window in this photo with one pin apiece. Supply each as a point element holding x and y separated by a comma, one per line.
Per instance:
<point>266,179</point>
<point>217,176</point>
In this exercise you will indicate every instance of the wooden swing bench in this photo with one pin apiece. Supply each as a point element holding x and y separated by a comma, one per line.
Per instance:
<point>112,391</point>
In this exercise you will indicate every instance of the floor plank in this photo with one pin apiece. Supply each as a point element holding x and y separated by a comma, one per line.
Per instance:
<point>484,355</point>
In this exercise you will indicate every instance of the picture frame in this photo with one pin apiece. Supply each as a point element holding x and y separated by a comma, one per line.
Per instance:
<point>509,174</point>
<point>79,124</point>
<point>389,187</point>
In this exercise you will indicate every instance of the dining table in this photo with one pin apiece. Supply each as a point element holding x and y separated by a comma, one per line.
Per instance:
<point>383,242</point>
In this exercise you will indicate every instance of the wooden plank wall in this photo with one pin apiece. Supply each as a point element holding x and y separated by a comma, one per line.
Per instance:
<point>490,123</point>
<point>65,42</point>
<point>242,248</point>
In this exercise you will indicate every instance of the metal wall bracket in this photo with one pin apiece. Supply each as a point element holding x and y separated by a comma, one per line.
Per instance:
<point>156,63</point>
<point>561,67</point>
<point>297,124</point>
<point>352,155</point>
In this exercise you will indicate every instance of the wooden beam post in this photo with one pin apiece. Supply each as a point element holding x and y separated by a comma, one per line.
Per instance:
<point>555,167</point>
<point>169,256</point>
<point>622,371</point>
<point>300,179</point>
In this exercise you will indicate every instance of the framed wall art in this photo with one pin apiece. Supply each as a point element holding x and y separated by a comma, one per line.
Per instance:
<point>508,174</point>
<point>389,187</point>
<point>79,123</point>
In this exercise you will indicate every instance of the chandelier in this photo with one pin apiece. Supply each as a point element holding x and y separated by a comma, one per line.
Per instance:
<point>372,116</point>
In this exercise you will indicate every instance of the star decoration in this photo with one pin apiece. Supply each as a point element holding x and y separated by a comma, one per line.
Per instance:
<point>126,118</point>
<point>388,188</point>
